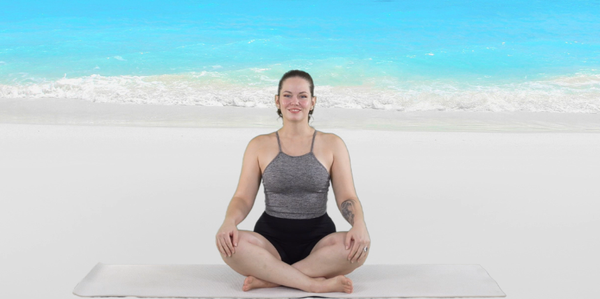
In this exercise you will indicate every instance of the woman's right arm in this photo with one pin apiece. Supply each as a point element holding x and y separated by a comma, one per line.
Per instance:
<point>242,201</point>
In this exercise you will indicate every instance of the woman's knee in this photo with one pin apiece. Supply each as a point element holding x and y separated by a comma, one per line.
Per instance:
<point>339,241</point>
<point>363,258</point>
<point>243,240</point>
<point>333,239</point>
<point>334,244</point>
<point>249,241</point>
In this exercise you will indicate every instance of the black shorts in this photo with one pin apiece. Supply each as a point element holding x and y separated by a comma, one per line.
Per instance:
<point>294,239</point>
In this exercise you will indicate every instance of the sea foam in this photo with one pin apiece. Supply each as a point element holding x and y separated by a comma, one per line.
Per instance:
<point>569,94</point>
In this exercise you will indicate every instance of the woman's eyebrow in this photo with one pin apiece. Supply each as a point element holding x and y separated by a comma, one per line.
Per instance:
<point>291,92</point>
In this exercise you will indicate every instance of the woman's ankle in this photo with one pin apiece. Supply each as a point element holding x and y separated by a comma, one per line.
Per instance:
<point>316,285</point>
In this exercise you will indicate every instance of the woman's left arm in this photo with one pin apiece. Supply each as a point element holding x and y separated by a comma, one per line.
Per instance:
<point>357,238</point>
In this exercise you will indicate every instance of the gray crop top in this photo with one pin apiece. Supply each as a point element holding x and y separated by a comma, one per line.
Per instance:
<point>296,186</point>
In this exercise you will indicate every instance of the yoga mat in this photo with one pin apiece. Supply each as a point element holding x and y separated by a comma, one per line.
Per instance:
<point>220,281</point>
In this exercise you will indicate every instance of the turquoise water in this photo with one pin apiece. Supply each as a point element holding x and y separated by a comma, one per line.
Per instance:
<point>431,55</point>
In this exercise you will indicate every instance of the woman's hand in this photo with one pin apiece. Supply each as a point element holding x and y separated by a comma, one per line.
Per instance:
<point>358,238</point>
<point>227,238</point>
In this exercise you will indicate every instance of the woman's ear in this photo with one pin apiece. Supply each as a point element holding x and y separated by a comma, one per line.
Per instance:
<point>277,101</point>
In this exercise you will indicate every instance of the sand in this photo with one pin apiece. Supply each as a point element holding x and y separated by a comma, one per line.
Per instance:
<point>522,204</point>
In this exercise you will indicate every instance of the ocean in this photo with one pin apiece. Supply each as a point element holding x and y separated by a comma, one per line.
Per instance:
<point>494,56</point>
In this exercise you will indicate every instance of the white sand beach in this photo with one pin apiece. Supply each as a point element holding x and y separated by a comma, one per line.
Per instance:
<point>136,184</point>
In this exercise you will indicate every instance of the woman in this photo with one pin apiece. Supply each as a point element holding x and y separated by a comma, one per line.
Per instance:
<point>294,243</point>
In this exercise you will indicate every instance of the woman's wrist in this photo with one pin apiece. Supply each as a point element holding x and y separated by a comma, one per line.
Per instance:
<point>359,223</point>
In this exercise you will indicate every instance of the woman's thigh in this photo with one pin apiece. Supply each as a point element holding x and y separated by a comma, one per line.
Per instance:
<point>258,240</point>
<point>329,240</point>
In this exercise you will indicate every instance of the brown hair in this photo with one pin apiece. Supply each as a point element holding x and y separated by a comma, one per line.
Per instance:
<point>304,75</point>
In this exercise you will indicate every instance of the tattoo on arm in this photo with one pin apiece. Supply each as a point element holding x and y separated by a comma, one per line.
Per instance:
<point>348,210</point>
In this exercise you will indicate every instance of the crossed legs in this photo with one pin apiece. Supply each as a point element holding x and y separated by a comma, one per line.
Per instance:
<point>322,271</point>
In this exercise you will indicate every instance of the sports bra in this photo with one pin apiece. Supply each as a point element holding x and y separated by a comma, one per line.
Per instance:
<point>296,186</point>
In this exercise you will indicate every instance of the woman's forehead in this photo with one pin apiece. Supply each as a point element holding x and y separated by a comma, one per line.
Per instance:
<point>295,84</point>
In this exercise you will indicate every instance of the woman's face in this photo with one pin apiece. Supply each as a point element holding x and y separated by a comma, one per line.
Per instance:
<point>294,99</point>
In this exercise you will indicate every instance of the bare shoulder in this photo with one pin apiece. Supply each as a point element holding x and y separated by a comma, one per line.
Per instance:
<point>332,140</point>
<point>259,142</point>
<point>263,148</point>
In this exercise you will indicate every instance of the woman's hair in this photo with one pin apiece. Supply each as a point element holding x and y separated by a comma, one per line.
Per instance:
<point>304,75</point>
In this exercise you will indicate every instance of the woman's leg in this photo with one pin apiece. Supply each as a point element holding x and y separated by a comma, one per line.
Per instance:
<point>329,258</point>
<point>256,256</point>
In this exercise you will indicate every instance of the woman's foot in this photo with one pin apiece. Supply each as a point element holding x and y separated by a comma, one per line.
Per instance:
<point>252,282</point>
<point>339,283</point>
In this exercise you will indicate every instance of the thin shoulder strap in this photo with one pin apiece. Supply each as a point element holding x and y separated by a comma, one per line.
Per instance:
<point>278,143</point>
<point>313,141</point>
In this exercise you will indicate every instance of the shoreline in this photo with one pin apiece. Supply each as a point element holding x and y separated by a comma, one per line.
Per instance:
<point>82,112</point>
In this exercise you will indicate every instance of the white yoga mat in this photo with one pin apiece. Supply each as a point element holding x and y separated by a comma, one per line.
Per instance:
<point>220,281</point>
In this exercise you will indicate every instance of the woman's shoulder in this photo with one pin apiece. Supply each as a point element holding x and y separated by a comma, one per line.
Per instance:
<point>332,140</point>
<point>260,141</point>
<point>329,137</point>
<point>264,137</point>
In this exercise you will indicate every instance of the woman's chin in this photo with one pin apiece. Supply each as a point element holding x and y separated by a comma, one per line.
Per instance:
<point>296,118</point>
<point>297,115</point>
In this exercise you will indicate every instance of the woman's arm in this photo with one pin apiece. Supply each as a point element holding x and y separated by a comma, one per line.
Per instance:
<point>237,211</point>
<point>357,239</point>
<point>248,185</point>
<point>242,201</point>
<point>352,211</point>
<point>343,184</point>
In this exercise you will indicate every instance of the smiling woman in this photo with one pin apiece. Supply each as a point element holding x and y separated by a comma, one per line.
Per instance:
<point>294,242</point>
<point>297,100</point>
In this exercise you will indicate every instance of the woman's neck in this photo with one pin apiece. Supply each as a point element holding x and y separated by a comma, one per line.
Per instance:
<point>296,130</point>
